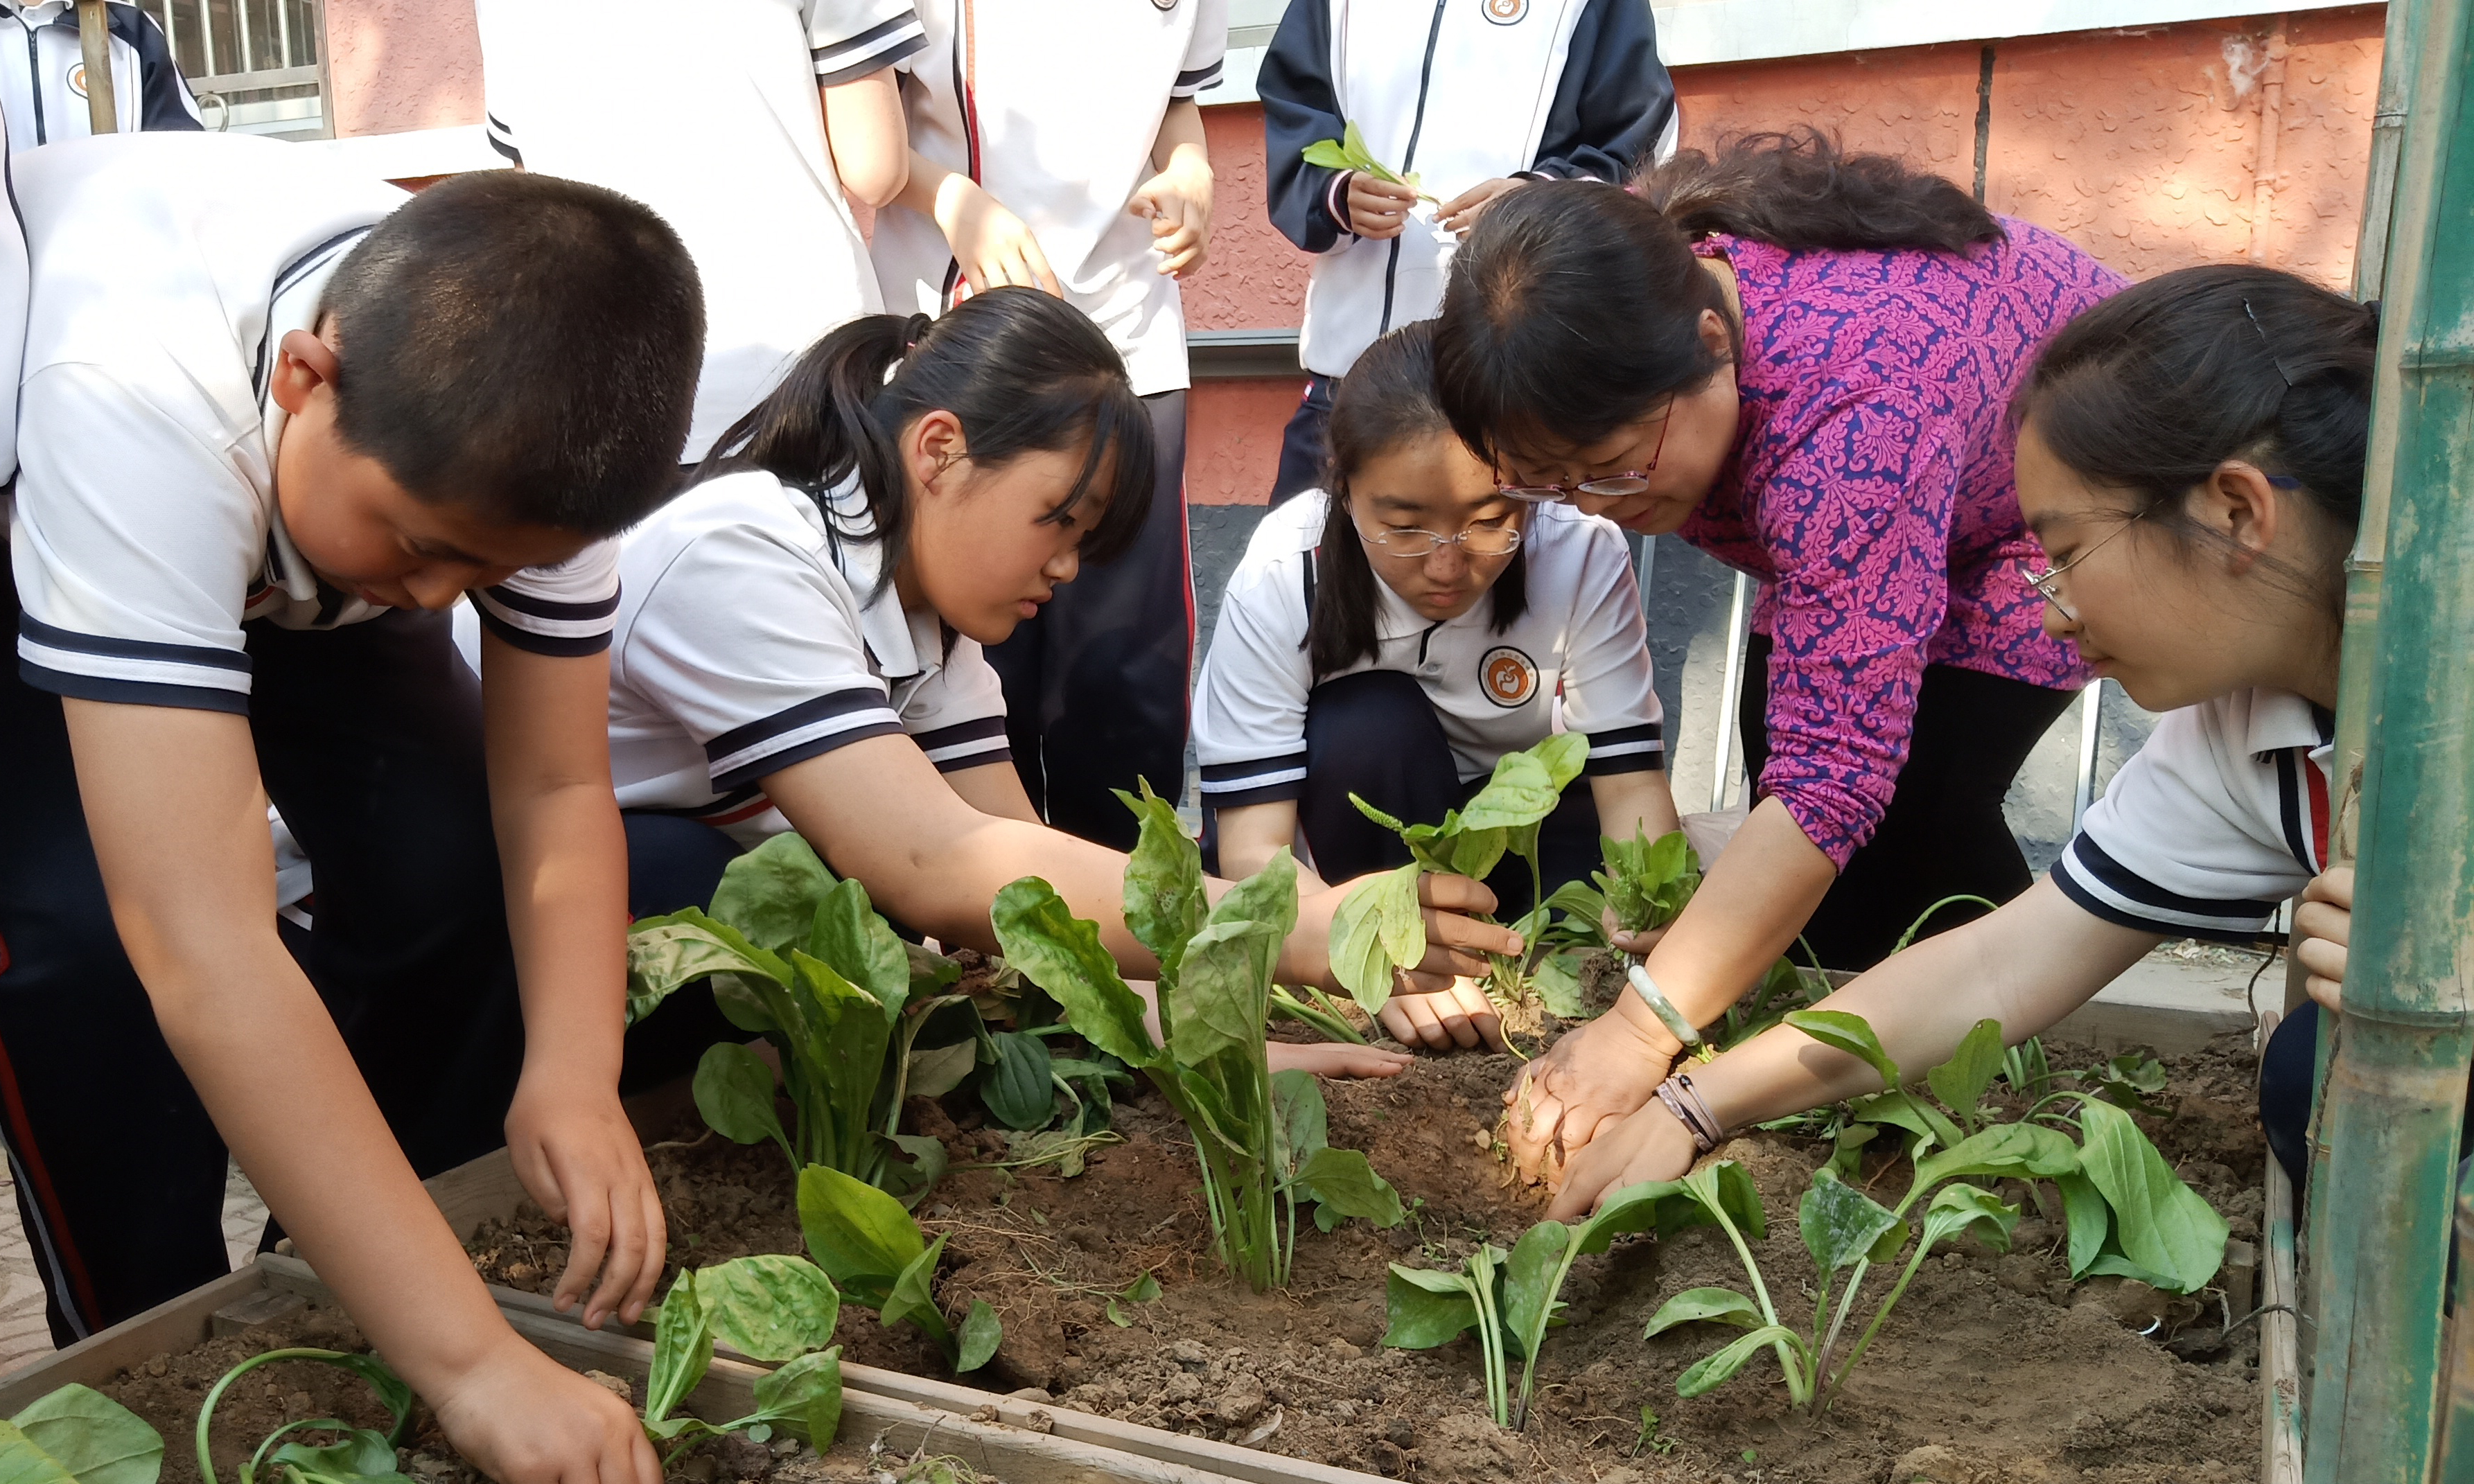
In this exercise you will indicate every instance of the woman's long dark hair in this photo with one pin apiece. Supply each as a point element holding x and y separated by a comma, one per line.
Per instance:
<point>1574,307</point>
<point>1387,399</point>
<point>1022,370</point>
<point>2148,392</point>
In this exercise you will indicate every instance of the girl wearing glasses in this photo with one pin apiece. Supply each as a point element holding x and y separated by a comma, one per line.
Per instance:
<point>2190,453</point>
<point>1394,636</point>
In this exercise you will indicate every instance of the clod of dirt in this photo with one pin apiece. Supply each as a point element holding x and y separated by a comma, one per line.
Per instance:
<point>1931,1464</point>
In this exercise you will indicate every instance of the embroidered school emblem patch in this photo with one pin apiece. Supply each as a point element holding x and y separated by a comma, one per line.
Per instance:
<point>1505,12</point>
<point>1507,677</point>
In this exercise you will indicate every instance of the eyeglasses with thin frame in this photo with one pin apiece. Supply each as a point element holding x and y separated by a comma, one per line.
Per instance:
<point>2047,581</point>
<point>1612,487</point>
<point>1476,541</point>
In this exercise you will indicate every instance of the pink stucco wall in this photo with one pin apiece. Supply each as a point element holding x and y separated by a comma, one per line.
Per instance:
<point>399,64</point>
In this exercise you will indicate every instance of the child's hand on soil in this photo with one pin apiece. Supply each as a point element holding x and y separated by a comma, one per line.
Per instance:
<point>523,1418</point>
<point>1179,203</point>
<point>2321,923</point>
<point>1459,213</point>
<point>1377,210</point>
<point>1334,1059</point>
<point>1593,1077</point>
<point>1648,1145</point>
<point>1461,1015</point>
<point>580,1159</point>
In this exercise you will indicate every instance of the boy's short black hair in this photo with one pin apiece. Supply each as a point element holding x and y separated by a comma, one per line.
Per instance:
<point>522,345</point>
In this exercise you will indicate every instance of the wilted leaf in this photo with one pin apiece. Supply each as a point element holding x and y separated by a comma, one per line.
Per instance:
<point>1957,1208</point>
<point>981,1335</point>
<point>1377,928</point>
<point>1713,1370</point>
<point>1713,1305</point>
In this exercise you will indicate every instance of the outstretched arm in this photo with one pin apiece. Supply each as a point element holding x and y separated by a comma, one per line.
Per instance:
<point>2026,966</point>
<point>866,131</point>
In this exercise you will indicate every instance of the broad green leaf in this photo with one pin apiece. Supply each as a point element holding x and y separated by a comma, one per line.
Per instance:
<point>1713,1305</point>
<point>22,1462</point>
<point>1961,1082</point>
<point>666,953</point>
<point>2022,1150</point>
<point>920,1164</point>
<point>96,1439</point>
<point>1221,991</point>
<point>1377,928</point>
<point>361,1456</point>
<point>805,1396</point>
<point>844,1050</point>
<point>914,1298</point>
<point>1164,900</point>
<point>981,1335</point>
<point>2113,1264</point>
<point>938,1070</point>
<point>2162,1224</point>
<point>1529,1303</point>
<point>1713,1370</point>
<point>682,1348</point>
<point>770,894</point>
<point>2089,1219</point>
<point>930,972</point>
<point>1020,1089</point>
<point>1521,792</point>
<point>1563,754</point>
<point>769,1307</point>
<point>1476,852</point>
<point>1557,979</point>
<point>854,1230</point>
<point>1847,1150</point>
<point>1845,1031</point>
<point>1905,1110</point>
<point>1345,1183</point>
<point>1328,154</point>
<point>1728,1186</point>
<point>1840,1224</point>
<point>1061,954</point>
<point>1269,896</point>
<point>1425,1308</point>
<point>1957,1208</point>
<point>1298,1116</point>
<point>848,935</point>
<point>734,1092</point>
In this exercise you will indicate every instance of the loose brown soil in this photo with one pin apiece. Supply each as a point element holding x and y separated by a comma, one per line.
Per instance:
<point>1993,1368</point>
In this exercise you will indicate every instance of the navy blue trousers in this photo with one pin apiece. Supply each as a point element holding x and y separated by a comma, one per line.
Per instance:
<point>673,863</point>
<point>1303,450</point>
<point>2284,1091</point>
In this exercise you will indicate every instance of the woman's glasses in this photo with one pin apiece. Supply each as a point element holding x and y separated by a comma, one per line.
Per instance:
<point>1612,487</point>
<point>1476,541</point>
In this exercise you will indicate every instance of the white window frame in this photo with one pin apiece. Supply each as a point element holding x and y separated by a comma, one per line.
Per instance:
<point>234,96</point>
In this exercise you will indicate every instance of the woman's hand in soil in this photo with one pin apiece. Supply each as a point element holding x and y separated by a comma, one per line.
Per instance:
<point>1593,1077</point>
<point>580,1159</point>
<point>1648,1145</point>
<point>1460,1017</point>
<point>523,1418</point>
<point>1336,1058</point>
<point>2322,924</point>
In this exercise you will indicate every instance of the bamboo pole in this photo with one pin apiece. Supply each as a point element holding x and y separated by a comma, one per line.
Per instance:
<point>94,39</point>
<point>2457,1451</point>
<point>2396,1082</point>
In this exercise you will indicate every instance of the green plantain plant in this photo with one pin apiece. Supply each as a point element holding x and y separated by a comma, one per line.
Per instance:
<point>777,1309</point>
<point>1216,964</point>
<point>362,1456</point>
<point>2128,1212</point>
<point>77,1435</point>
<point>878,1257</point>
<point>1379,930</point>
<point>1349,152</point>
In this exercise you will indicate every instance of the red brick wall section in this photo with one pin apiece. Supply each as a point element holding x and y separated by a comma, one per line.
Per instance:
<point>1255,278</point>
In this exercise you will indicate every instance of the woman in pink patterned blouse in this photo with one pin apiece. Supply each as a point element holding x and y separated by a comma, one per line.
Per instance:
<point>1800,362</point>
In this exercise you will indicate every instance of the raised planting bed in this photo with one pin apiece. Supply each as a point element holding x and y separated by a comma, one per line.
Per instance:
<point>895,1428</point>
<point>1994,1366</point>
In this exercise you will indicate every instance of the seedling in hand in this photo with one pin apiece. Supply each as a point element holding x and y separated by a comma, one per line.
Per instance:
<point>1349,152</point>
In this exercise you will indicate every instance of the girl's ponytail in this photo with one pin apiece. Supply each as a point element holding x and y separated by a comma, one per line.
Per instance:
<point>1797,189</point>
<point>1023,372</point>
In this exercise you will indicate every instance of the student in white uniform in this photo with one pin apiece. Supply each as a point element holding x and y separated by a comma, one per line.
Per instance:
<point>799,643</point>
<point>1497,94</point>
<point>1057,144</point>
<point>230,560</point>
<point>1395,637</point>
<point>2191,456</point>
<point>742,122</point>
<point>42,74</point>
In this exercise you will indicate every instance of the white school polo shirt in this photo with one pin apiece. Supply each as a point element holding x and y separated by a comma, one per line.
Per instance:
<point>1053,106</point>
<point>710,116</point>
<point>753,635</point>
<point>2220,817</point>
<point>12,313</point>
<point>165,268</point>
<point>1576,660</point>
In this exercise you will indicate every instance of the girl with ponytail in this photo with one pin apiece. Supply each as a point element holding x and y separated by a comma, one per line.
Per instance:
<point>1797,360</point>
<point>2189,461</point>
<point>799,643</point>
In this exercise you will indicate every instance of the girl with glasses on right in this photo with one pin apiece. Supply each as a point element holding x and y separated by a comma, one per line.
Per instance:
<point>2189,456</point>
<point>1394,635</point>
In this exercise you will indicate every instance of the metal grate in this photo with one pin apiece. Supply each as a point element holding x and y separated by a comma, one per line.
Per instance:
<point>258,66</point>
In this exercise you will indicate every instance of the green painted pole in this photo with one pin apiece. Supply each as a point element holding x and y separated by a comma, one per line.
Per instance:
<point>2396,1084</point>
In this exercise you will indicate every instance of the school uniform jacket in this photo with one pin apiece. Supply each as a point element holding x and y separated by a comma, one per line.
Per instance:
<point>1458,91</point>
<point>42,74</point>
<point>1053,105</point>
<point>1577,659</point>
